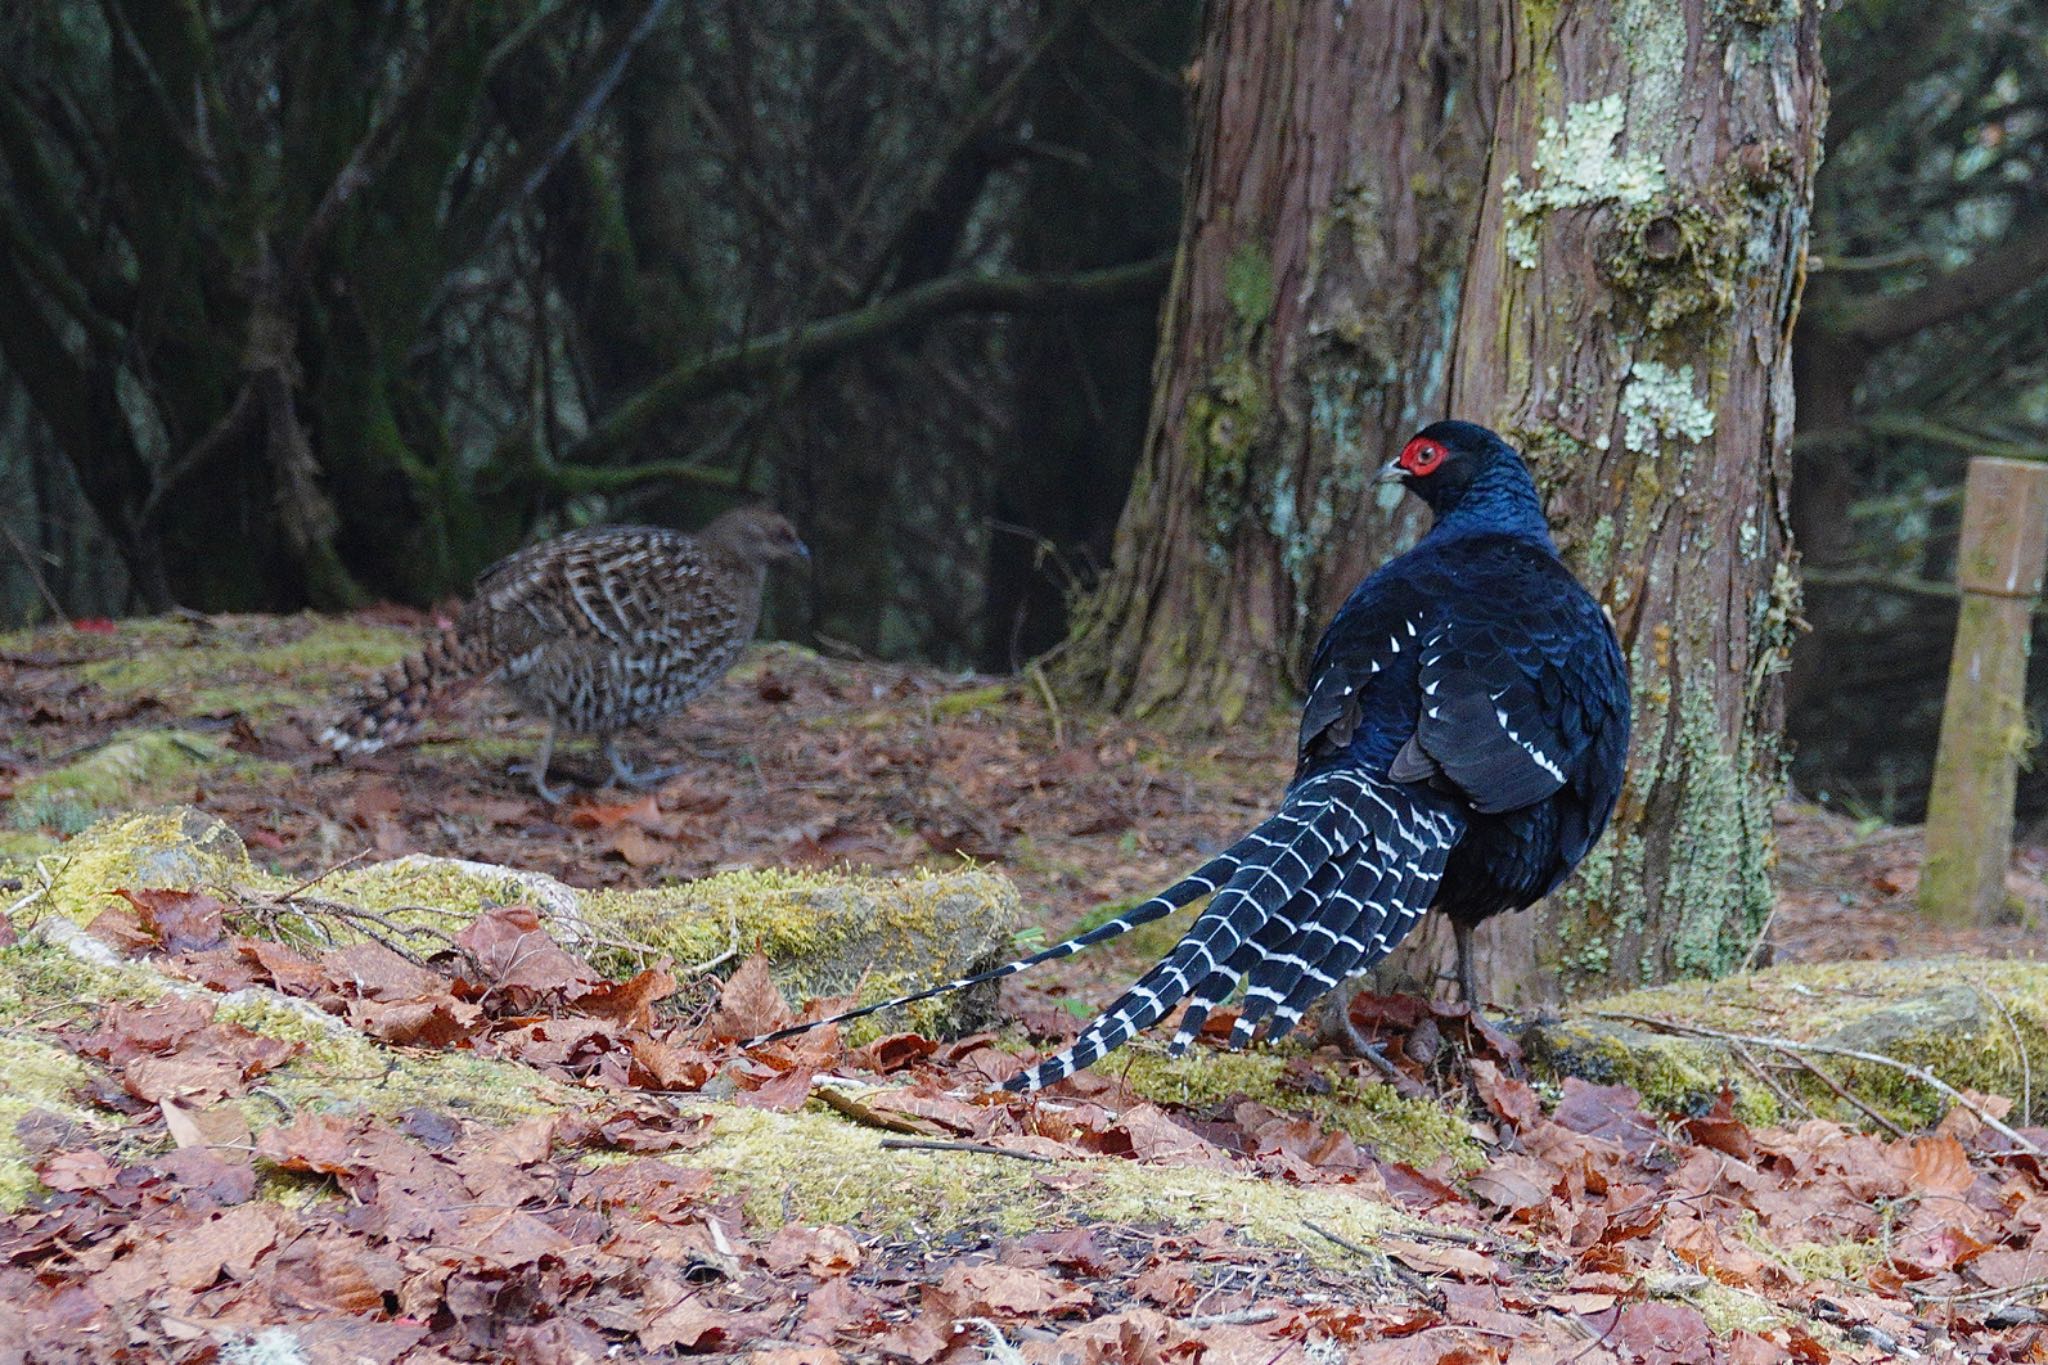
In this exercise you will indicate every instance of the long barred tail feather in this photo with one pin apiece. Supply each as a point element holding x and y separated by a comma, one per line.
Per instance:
<point>1323,888</point>
<point>397,701</point>
<point>1219,984</point>
<point>1340,941</point>
<point>1341,817</point>
<point>1201,882</point>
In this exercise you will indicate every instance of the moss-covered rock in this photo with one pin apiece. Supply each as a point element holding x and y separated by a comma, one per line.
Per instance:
<point>1417,1131</point>
<point>171,847</point>
<point>823,933</point>
<point>1673,1075</point>
<point>257,666</point>
<point>135,767</point>
<point>1977,1025</point>
<point>829,934</point>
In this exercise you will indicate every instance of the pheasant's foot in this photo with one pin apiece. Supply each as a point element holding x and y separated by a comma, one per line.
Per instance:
<point>539,777</point>
<point>626,775</point>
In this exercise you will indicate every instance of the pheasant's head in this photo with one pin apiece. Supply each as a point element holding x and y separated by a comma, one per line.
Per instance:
<point>1446,460</point>
<point>757,535</point>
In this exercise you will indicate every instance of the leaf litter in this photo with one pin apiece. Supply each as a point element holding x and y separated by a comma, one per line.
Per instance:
<point>1595,1230</point>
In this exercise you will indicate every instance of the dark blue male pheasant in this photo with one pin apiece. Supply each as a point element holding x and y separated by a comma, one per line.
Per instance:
<point>1462,747</point>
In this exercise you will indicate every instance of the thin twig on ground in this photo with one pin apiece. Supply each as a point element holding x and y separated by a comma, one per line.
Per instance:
<point>1791,1046</point>
<point>1052,705</point>
<point>1842,1093</point>
<point>980,1148</point>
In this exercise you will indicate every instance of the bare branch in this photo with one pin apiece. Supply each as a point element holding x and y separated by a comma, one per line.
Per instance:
<point>1993,277</point>
<point>373,153</point>
<point>811,344</point>
<point>489,208</point>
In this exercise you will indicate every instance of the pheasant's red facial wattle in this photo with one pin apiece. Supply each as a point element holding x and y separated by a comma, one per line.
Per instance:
<point>1421,457</point>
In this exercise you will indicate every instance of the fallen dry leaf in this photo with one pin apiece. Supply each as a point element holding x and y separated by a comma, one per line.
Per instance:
<point>749,1003</point>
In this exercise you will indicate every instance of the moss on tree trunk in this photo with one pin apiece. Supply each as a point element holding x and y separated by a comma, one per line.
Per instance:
<point>1332,192</point>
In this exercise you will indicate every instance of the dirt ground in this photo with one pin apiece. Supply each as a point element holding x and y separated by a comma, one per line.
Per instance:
<point>797,760</point>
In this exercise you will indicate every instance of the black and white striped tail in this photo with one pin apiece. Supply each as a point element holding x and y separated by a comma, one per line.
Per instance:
<point>1218,871</point>
<point>1326,888</point>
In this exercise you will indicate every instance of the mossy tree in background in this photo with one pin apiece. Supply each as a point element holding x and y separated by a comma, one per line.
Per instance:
<point>1583,225</point>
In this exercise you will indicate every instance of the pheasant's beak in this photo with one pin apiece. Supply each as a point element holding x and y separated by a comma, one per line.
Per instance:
<point>1390,472</point>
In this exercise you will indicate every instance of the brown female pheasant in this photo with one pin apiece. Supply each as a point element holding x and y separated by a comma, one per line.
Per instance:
<point>596,630</point>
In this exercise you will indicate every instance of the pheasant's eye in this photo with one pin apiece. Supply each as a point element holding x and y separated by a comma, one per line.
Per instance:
<point>1421,456</point>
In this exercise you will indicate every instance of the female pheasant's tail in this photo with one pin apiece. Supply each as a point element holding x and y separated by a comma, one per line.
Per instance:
<point>394,705</point>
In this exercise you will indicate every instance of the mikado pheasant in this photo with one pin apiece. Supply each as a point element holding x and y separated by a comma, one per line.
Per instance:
<point>1461,749</point>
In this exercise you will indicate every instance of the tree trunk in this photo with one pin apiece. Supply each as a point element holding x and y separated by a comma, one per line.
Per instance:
<point>1628,321</point>
<point>1611,202</point>
<point>1332,192</point>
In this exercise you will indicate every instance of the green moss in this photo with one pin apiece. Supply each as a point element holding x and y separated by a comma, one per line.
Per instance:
<point>1678,259</point>
<point>1728,1309</point>
<point>825,933</point>
<point>1418,1131</point>
<point>341,1068</point>
<point>260,667</point>
<point>22,846</point>
<point>830,934</point>
<point>1722,845</point>
<point>1265,1212</point>
<point>1978,1025</point>
<point>1248,283</point>
<point>1673,1075</point>
<point>135,767</point>
<point>1844,1262</point>
<point>44,985</point>
<point>836,1172</point>
<point>172,847</point>
<point>973,699</point>
<point>40,1075</point>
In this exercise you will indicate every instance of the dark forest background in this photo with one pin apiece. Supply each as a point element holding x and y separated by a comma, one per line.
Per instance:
<point>305,304</point>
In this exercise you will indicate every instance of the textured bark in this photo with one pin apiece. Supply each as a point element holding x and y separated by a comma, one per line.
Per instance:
<point>1627,320</point>
<point>1333,186</point>
<point>1639,175</point>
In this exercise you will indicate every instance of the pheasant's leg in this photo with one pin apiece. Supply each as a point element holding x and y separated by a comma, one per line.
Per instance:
<point>1468,970</point>
<point>538,769</point>
<point>1338,1028</point>
<point>626,775</point>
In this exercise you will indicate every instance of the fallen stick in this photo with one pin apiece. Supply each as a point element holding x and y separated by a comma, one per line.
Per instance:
<point>1793,1046</point>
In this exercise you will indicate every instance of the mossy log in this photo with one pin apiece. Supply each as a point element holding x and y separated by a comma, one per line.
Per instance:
<point>824,934</point>
<point>1978,1026</point>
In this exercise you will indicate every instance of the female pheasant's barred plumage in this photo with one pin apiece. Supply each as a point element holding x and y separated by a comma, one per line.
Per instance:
<point>596,630</point>
<point>1461,748</point>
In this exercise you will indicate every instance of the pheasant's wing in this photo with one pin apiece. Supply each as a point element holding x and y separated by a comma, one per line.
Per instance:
<point>615,587</point>
<point>1515,687</point>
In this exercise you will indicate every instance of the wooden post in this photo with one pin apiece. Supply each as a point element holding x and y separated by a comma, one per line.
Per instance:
<point>1983,722</point>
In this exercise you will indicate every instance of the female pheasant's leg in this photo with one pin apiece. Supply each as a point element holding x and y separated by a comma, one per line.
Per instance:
<point>626,775</point>
<point>538,769</point>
